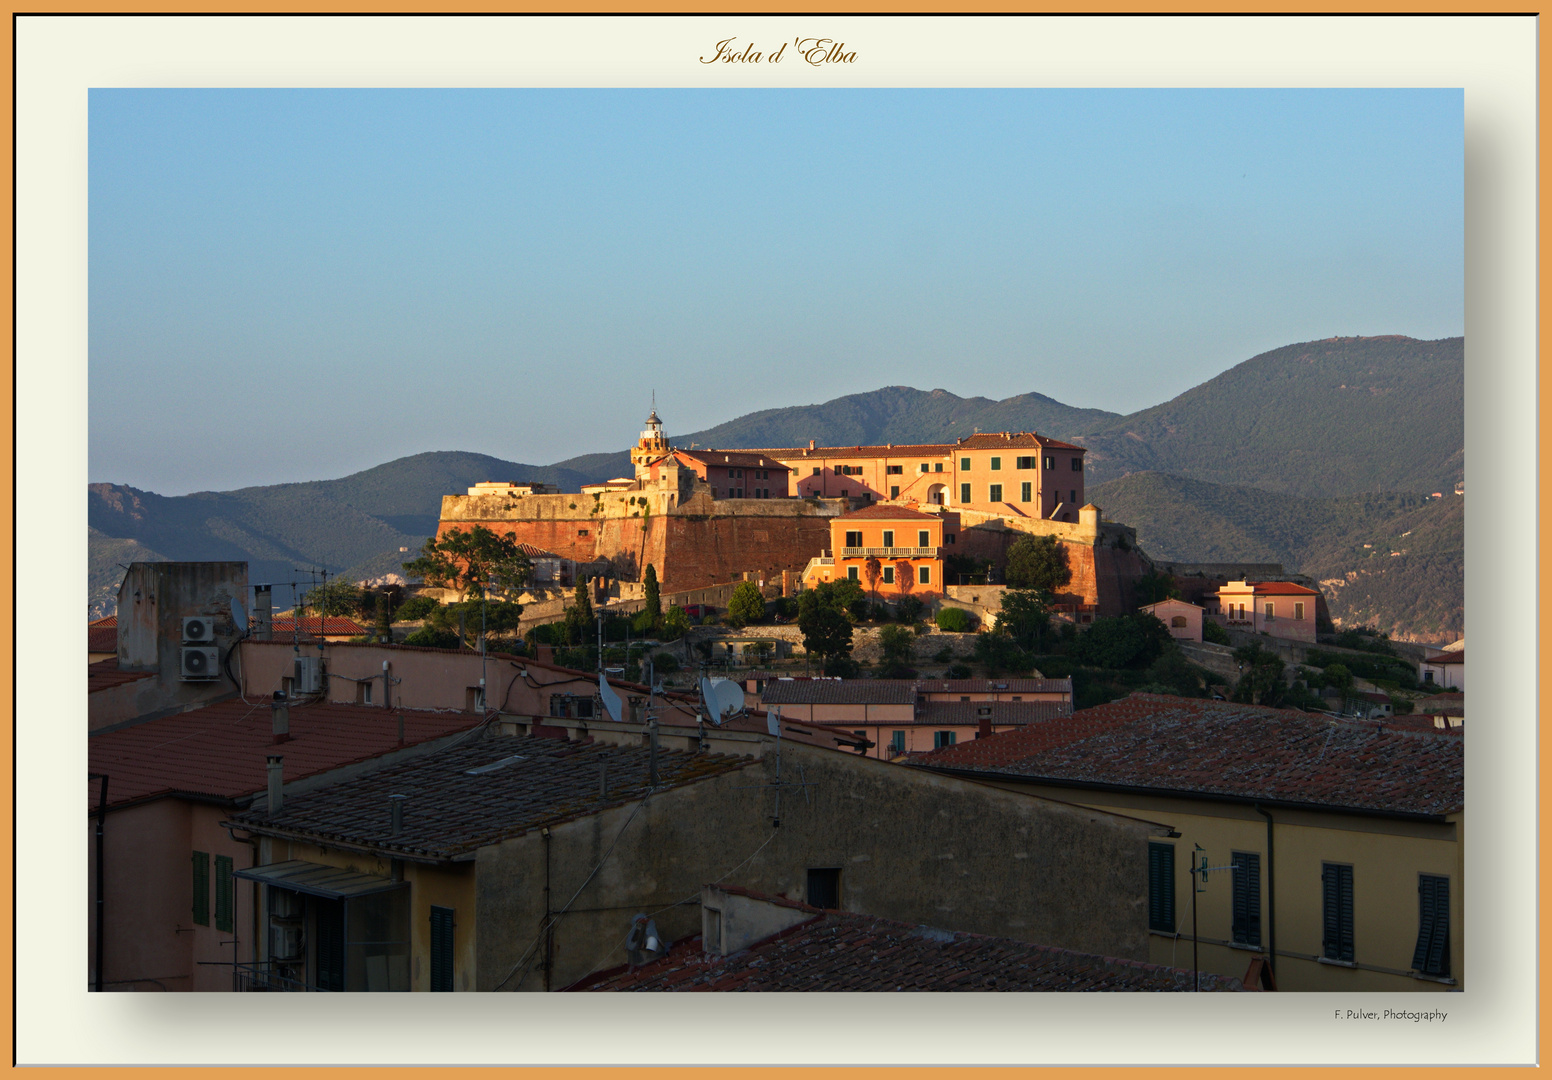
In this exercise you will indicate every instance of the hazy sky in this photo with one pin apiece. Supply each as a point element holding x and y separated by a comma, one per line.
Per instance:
<point>302,284</point>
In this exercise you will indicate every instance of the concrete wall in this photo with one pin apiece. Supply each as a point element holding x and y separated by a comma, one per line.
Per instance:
<point>911,846</point>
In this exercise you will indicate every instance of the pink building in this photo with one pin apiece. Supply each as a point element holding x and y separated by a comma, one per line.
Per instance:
<point>731,474</point>
<point>1184,620</point>
<point>1014,474</point>
<point>1278,608</point>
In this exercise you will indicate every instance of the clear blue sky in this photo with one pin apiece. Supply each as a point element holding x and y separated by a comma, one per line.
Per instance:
<point>291,285</point>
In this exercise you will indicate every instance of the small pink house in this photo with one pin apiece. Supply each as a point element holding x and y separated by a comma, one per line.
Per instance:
<point>1278,608</point>
<point>1184,620</point>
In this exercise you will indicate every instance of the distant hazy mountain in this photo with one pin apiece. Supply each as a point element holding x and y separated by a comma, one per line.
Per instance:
<point>1408,581</point>
<point>1323,418</point>
<point>894,414</point>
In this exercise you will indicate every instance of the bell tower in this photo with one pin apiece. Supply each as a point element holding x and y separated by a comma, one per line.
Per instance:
<point>653,444</point>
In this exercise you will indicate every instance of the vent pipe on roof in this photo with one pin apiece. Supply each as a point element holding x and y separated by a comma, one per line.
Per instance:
<point>984,731</point>
<point>396,813</point>
<point>280,713</point>
<point>276,767</point>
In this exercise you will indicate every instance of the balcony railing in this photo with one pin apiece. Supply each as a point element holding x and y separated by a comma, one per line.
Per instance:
<point>266,977</point>
<point>890,552</point>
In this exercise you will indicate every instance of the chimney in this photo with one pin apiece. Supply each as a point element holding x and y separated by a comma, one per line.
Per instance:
<point>280,714</point>
<point>811,444</point>
<point>396,813</point>
<point>276,768</point>
<point>985,714</point>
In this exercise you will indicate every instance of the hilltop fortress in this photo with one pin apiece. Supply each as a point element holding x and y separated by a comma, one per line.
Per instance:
<point>706,517</point>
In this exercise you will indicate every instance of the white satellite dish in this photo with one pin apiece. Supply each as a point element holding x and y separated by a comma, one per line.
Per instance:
<point>610,698</point>
<point>723,698</point>
<point>239,616</point>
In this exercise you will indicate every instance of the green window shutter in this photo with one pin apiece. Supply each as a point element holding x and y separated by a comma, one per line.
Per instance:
<point>1247,898</point>
<point>1432,955</point>
<point>201,888</point>
<point>441,949</point>
<point>1337,889</point>
<point>224,893</point>
<point>1161,887</point>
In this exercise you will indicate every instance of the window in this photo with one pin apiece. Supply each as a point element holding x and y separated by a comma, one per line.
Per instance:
<point>1077,464</point>
<point>924,575</point>
<point>996,493</point>
<point>441,949</point>
<point>948,538</point>
<point>851,572</point>
<point>817,470</point>
<point>1050,462</point>
<point>897,741</point>
<point>996,464</point>
<point>1024,463</point>
<point>473,698</point>
<point>889,538</point>
<point>824,888</point>
<point>964,493</point>
<point>201,888</point>
<point>937,466</point>
<point>224,893</point>
<point>1025,493</point>
<point>923,538</point>
<point>1270,612</point>
<point>894,492</point>
<point>1161,887</point>
<point>363,693</point>
<point>1432,955</point>
<point>1247,897</point>
<point>894,470</point>
<point>940,739</point>
<point>583,532</point>
<point>1178,621</point>
<point>1298,609</point>
<point>854,538</point>
<point>889,575</point>
<point>964,464</point>
<point>1337,886</point>
<point>924,467</point>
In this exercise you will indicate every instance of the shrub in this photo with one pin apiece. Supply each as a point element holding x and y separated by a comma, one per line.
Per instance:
<point>958,671</point>
<point>665,663</point>
<point>908,608</point>
<point>746,606</point>
<point>1038,562</point>
<point>954,620</point>
<point>676,624</point>
<point>1214,633</point>
<point>433,638</point>
<point>943,655</point>
<point>416,608</point>
<point>842,666</point>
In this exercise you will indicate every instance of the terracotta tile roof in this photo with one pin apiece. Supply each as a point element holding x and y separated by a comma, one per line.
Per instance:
<point>999,712</point>
<point>537,552</point>
<point>839,692</point>
<point>333,624</point>
<point>887,512</point>
<point>453,808</point>
<point>839,950</point>
<point>984,441</point>
<point>218,751</point>
<point>996,686</point>
<point>102,638</point>
<point>1191,745</point>
<point>106,620</point>
<point>1280,588</point>
<point>743,459</point>
<point>105,674</point>
<point>1456,657</point>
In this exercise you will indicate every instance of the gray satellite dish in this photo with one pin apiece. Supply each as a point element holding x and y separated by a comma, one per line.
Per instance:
<point>723,698</point>
<point>610,698</point>
<point>239,616</point>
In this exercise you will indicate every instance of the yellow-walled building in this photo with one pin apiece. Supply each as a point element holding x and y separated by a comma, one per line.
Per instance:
<point>1332,850</point>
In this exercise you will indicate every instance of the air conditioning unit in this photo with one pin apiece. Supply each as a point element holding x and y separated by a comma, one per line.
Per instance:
<point>198,630</point>
<point>199,665</point>
<point>284,904</point>
<point>308,677</point>
<point>285,942</point>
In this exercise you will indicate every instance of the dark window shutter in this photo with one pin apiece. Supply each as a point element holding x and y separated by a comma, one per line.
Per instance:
<point>442,949</point>
<point>1432,955</point>
<point>330,920</point>
<point>1247,898</point>
<point>201,888</point>
<point>1161,887</point>
<point>224,893</point>
<point>1337,886</point>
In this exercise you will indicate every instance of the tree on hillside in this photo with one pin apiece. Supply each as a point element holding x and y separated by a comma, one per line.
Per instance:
<point>745,606</point>
<point>654,601</point>
<point>1038,562</point>
<point>1155,586</point>
<point>897,643</point>
<point>337,597</point>
<point>676,624</point>
<point>1025,616</point>
<point>579,616</point>
<point>383,631</point>
<point>823,619</point>
<point>467,560</point>
<point>1261,676</point>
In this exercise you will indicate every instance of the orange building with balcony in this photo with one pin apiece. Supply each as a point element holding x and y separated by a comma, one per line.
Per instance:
<point>901,546</point>
<point>1279,608</point>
